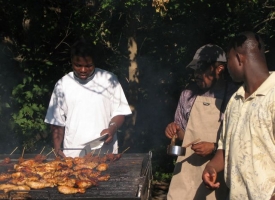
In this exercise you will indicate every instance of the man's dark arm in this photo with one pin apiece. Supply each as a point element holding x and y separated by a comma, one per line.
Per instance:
<point>58,136</point>
<point>215,165</point>
<point>217,161</point>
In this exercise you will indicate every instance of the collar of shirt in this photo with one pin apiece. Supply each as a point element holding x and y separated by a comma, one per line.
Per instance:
<point>261,91</point>
<point>86,80</point>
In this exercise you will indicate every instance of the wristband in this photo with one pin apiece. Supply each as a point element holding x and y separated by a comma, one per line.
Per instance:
<point>113,124</point>
<point>215,148</point>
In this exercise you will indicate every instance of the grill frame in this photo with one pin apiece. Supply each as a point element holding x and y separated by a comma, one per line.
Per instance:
<point>130,179</point>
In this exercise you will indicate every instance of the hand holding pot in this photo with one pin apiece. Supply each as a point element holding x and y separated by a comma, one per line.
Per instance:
<point>174,129</point>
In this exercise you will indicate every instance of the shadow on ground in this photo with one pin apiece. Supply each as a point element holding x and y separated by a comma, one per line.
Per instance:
<point>159,190</point>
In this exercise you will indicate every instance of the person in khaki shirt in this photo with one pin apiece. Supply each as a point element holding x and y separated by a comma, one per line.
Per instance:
<point>246,150</point>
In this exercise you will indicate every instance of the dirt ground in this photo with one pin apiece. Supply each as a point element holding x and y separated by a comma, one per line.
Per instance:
<point>159,190</point>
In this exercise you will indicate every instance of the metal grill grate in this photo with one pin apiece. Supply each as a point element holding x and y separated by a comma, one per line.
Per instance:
<point>131,178</point>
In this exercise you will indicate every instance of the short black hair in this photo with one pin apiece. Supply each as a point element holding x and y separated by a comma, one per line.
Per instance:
<point>83,48</point>
<point>236,41</point>
<point>241,39</point>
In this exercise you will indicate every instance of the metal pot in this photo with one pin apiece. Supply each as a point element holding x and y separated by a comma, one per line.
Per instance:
<point>175,150</point>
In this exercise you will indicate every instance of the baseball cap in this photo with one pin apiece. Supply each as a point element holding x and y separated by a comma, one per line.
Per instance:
<point>207,54</point>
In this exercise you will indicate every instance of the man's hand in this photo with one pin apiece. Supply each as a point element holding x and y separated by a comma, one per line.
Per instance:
<point>114,125</point>
<point>111,131</point>
<point>209,177</point>
<point>203,148</point>
<point>174,129</point>
<point>59,152</point>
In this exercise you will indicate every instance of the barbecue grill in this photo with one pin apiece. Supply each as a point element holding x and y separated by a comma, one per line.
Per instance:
<point>130,178</point>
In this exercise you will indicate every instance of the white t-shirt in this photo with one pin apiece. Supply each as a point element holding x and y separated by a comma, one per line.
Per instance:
<point>85,108</point>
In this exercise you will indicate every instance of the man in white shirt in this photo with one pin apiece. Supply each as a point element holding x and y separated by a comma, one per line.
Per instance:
<point>85,104</point>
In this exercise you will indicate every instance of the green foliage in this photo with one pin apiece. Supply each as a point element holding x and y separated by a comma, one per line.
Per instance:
<point>29,96</point>
<point>162,176</point>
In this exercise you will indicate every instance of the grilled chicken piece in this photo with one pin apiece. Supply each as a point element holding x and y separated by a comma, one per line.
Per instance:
<point>6,160</point>
<point>48,175</point>
<point>20,168</point>
<point>85,183</point>
<point>57,158</point>
<point>51,178</point>
<point>4,177</point>
<point>79,160</point>
<point>45,167</point>
<point>62,166</point>
<point>117,157</point>
<point>104,177</point>
<point>94,174</point>
<point>27,175</point>
<point>83,176</point>
<point>94,159</point>
<point>18,181</point>
<point>41,173</point>
<point>70,182</point>
<point>110,156</point>
<point>85,172</point>
<point>40,158</point>
<point>20,160</point>
<point>29,163</point>
<point>50,166</point>
<point>69,161</point>
<point>56,179</point>
<point>89,165</point>
<point>8,187</point>
<point>17,174</point>
<point>102,167</point>
<point>34,177</point>
<point>39,184</point>
<point>51,181</point>
<point>113,157</point>
<point>99,159</point>
<point>63,172</point>
<point>17,187</point>
<point>21,178</point>
<point>70,190</point>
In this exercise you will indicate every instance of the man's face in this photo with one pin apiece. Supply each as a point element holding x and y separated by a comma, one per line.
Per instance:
<point>205,78</point>
<point>83,67</point>
<point>234,69</point>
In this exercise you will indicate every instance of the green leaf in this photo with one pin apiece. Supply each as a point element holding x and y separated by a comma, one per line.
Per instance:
<point>49,63</point>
